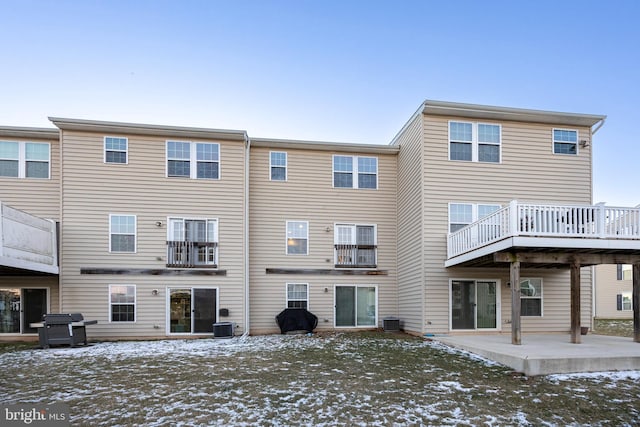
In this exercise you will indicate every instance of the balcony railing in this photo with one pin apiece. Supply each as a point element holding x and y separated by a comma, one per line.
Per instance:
<point>182,254</point>
<point>355,256</point>
<point>537,220</point>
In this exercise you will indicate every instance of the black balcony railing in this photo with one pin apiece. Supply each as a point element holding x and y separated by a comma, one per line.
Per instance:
<point>192,254</point>
<point>356,256</point>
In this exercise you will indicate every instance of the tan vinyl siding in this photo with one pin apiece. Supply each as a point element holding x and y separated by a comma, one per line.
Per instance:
<point>529,171</point>
<point>410,227</point>
<point>607,288</point>
<point>39,197</point>
<point>308,195</point>
<point>93,190</point>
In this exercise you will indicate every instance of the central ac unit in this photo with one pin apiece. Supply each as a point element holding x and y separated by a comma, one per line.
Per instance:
<point>223,330</point>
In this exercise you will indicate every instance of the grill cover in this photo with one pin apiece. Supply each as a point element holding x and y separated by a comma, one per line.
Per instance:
<point>296,319</point>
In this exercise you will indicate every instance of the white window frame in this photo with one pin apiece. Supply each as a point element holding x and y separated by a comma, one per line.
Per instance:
<point>285,167</point>
<point>625,272</point>
<point>134,304</point>
<point>474,212</point>
<point>286,240</point>
<point>288,300</point>
<point>553,141</point>
<point>214,222</point>
<point>354,238</point>
<point>125,151</point>
<point>193,160</point>
<point>354,171</point>
<point>135,233</point>
<point>356,286</point>
<point>629,297</point>
<point>475,142</point>
<point>22,160</point>
<point>498,303</point>
<point>540,297</point>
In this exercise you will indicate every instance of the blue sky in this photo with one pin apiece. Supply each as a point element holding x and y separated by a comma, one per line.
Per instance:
<point>351,71</point>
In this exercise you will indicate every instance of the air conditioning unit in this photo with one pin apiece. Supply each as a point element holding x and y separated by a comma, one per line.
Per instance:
<point>391,324</point>
<point>223,330</point>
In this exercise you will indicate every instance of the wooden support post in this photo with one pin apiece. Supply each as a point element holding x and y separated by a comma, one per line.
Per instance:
<point>575,302</point>
<point>636,302</point>
<point>516,332</point>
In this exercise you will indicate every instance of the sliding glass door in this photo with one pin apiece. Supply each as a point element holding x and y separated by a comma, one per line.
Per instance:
<point>192,310</point>
<point>356,306</point>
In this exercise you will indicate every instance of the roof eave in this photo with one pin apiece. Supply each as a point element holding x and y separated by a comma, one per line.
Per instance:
<point>146,129</point>
<point>29,132</point>
<point>323,146</point>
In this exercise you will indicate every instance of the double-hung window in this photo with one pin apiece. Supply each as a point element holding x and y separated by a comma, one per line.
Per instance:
<point>355,172</point>
<point>192,242</point>
<point>115,149</point>
<point>355,245</point>
<point>531,297</point>
<point>25,159</point>
<point>624,272</point>
<point>122,233</point>
<point>278,166</point>
<point>297,238</point>
<point>474,142</point>
<point>195,160</point>
<point>298,295</point>
<point>122,303</point>
<point>463,214</point>
<point>624,301</point>
<point>565,141</point>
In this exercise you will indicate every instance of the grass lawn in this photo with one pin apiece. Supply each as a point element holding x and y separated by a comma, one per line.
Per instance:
<point>324,379</point>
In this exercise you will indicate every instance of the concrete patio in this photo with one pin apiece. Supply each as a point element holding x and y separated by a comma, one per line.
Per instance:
<point>542,354</point>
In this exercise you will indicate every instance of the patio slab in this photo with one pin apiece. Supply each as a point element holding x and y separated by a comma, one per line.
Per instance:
<point>542,354</point>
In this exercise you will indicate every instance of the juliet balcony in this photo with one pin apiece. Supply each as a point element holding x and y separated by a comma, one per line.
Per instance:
<point>589,229</point>
<point>187,254</point>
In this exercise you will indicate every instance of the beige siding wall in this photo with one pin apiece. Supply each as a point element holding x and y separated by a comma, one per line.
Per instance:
<point>39,197</point>
<point>308,195</point>
<point>93,190</point>
<point>529,172</point>
<point>607,288</point>
<point>410,227</point>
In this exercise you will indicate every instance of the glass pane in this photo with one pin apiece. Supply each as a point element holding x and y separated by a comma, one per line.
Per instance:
<point>463,304</point>
<point>489,133</point>
<point>37,151</point>
<point>531,288</point>
<point>367,181</point>
<point>123,313</point>
<point>297,291</point>
<point>204,310</point>
<point>278,174</point>
<point>180,307</point>
<point>486,308</point>
<point>196,230</point>
<point>9,310</point>
<point>365,235</point>
<point>489,153</point>
<point>460,151</point>
<point>125,224</point>
<point>343,164</point>
<point>345,306</point>
<point>122,243</point>
<point>208,170</point>
<point>484,210</point>
<point>115,144</point>
<point>460,131</point>
<point>345,235</point>
<point>179,168</point>
<point>212,231</point>
<point>37,170</point>
<point>297,246</point>
<point>35,305</point>
<point>278,158</point>
<point>9,150</point>
<point>176,230</point>
<point>343,180</point>
<point>366,306</point>
<point>116,157</point>
<point>460,213</point>
<point>564,148</point>
<point>368,164</point>
<point>565,135</point>
<point>178,150</point>
<point>207,152</point>
<point>296,229</point>
<point>297,304</point>
<point>531,307</point>
<point>9,168</point>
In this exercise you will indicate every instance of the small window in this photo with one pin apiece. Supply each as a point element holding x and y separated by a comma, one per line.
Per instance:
<point>531,297</point>
<point>115,150</point>
<point>25,159</point>
<point>278,165</point>
<point>624,302</point>
<point>297,238</point>
<point>298,295</point>
<point>355,172</point>
<point>122,232</point>
<point>122,303</point>
<point>355,245</point>
<point>463,214</point>
<point>474,142</point>
<point>624,272</point>
<point>193,160</point>
<point>565,141</point>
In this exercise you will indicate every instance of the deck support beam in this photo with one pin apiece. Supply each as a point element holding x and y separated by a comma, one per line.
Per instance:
<point>636,302</point>
<point>514,276</point>
<point>575,301</point>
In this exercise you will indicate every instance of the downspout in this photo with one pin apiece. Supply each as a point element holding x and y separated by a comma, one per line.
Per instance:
<point>600,124</point>
<point>60,213</point>
<point>247,143</point>
<point>593,268</point>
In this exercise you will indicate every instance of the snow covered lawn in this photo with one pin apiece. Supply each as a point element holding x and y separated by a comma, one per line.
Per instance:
<point>332,379</point>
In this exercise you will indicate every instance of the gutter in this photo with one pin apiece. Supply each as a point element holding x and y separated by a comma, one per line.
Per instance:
<point>247,157</point>
<point>599,125</point>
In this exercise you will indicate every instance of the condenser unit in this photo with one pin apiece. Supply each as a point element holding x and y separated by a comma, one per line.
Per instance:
<point>223,330</point>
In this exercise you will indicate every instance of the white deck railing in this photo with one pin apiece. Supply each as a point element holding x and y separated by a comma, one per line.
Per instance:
<point>542,220</point>
<point>27,242</point>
